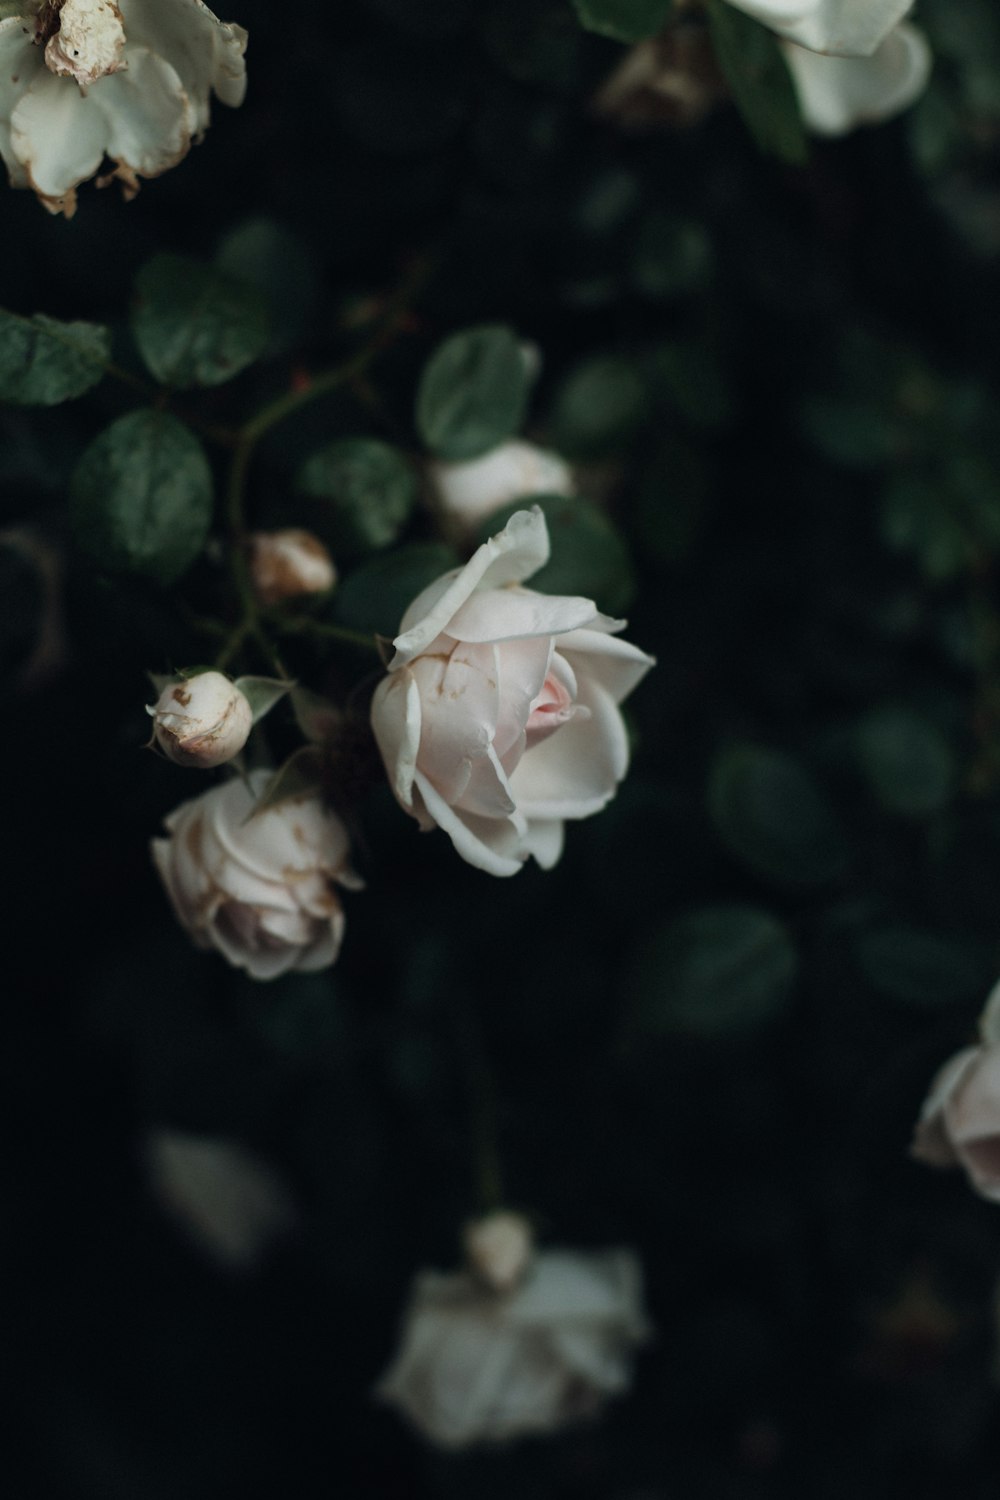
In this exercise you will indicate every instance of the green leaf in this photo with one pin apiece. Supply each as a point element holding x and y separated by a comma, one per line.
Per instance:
<point>751,58</point>
<point>369,489</point>
<point>598,408</point>
<point>770,813</point>
<point>672,257</point>
<point>44,361</point>
<point>262,693</point>
<point>194,324</point>
<point>473,392</point>
<point>718,971</point>
<point>299,776</point>
<point>623,20</point>
<point>907,760</point>
<point>266,255</point>
<point>141,497</point>
<point>375,596</point>
<point>924,968</point>
<point>589,556</point>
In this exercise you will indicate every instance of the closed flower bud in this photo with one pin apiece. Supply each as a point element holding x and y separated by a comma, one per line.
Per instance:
<point>478,1366</point>
<point>201,721</point>
<point>499,1248</point>
<point>288,564</point>
<point>469,492</point>
<point>82,80</point>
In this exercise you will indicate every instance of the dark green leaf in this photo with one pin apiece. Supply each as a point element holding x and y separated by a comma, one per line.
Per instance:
<point>769,812</point>
<point>142,497</point>
<point>598,407</point>
<point>43,361</point>
<point>270,257</point>
<point>473,392</point>
<point>672,257</point>
<point>716,971</point>
<point>907,760</point>
<point>194,324</point>
<point>623,20</point>
<point>589,556</point>
<point>750,57</point>
<point>924,968</point>
<point>370,491</point>
<point>374,597</point>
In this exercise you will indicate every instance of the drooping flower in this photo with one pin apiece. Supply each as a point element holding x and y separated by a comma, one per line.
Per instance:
<point>85,80</point>
<point>499,717</point>
<point>481,1366</point>
<point>258,886</point>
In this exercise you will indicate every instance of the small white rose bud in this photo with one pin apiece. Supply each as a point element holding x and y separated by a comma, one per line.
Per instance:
<point>288,564</point>
<point>89,42</point>
<point>469,492</point>
<point>499,1248</point>
<point>201,721</point>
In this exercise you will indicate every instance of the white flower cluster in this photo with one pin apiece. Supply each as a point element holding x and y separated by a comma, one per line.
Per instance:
<point>85,80</point>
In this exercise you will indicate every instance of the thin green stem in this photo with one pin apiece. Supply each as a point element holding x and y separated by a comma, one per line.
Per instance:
<point>323,630</point>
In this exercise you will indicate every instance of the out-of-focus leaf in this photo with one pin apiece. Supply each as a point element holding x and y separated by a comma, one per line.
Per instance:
<point>924,968</point>
<point>907,760</point>
<point>771,814</point>
<point>751,58</point>
<point>264,254</point>
<point>369,490</point>
<point>195,325</point>
<point>717,971</point>
<point>598,407</point>
<point>473,392</point>
<point>672,257</point>
<point>588,557</point>
<point>44,361</point>
<point>375,596</point>
<point>623,20</point>
<point>141,498</point>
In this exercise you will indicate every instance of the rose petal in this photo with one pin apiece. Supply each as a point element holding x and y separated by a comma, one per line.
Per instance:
<point>575,772</point>
<point>396,720</point>
<point>207,52</point>
<point>58,134</point>
<point>931,1142</point>
<point>512,614</point>
<point>509,557</point>
<point>838,93</point>
<point>972,1121</point>
<point>544,840</point>
<point>617,665</point>
<point>852,28</point>
<point>523,666</point>
<point>481,842</point>
<point>150,120</point>
<point>460,705</point>
<point>20,63</point>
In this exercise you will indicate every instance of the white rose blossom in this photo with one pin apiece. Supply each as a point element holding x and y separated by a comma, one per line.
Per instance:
<point>959,1124</point>
<point>201,721</point>
<point>845,28</point>
<point>499,717</point>
<point>82,80</point>
<point>836,94</point>
<point>288,564</point>
<point>258,886</point>
<point>469,492</point>
<point>478,1366</point>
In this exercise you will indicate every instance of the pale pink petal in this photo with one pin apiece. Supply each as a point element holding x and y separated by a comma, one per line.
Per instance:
<point>852,28</point>
<point>576,771</point>
<point>460,702</point>
<point>616,664</point>
<point>514,613</point>
<point>523,666</point>
<point>931,1142</point>
<point>481,842</point>
<point>972,1121</point>
<point>396,719</point>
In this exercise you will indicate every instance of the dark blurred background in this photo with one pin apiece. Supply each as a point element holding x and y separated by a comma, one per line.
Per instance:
<point>713,1024</point>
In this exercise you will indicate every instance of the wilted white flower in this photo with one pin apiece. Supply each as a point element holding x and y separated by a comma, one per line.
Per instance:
<point>499,716</point>
<point>498,1248</point>
<point>221,1195</point>
<point>836,94</point>
<point>259,886</point>
<point>480,1366</point>
<point>81,80</point>
<point>469,492</point>
<point>959,1124</point>
<point>201,721</point>
<point>287,564</point>
<point>848,28</point>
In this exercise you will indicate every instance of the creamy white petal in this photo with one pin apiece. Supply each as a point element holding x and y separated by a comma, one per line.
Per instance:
<point>396,719</point>
<point>509,557</point>
<point>514,613</point>
<point>460,705</point>
<point>851,28</point>
<point>544,839</point>
<point>989,1021</point>
<point>471,491</point>
<point>931,1141</point>
<point>207,52</point>
<point>150,120</point>
<point>20,63</point>
<point>58,134</point>
<point>482,847</point>
<point>836,94</point>
<point>523,667</point>
<point>575,772</point>
<point>617,665</point>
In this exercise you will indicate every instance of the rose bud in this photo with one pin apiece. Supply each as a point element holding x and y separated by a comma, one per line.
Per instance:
<point>478,1367</point>
<point>498,1248</point>
<point>258,886</point>
<point>201,721</point>
<point>87,79</point>
<point>499,716</point>
<point>469,492</point>
<point>288,564</point>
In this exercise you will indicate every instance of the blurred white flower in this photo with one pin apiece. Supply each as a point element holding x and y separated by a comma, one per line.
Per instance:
<point>836,94</point>
<point>259,886</point>
<point>81,80</point>
<point>287,564</point>
<point>201,721</point>
<point>959,1124</point>
<point>848,28</point>
<point>478,1366</point>
<point>499,717</point>
<point>221,1195</point>
<point>469,492</point>
<point>498,1248</point>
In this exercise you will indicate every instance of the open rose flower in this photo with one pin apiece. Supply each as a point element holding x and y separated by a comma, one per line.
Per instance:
<point>959,1125</point>
<point>499,717</point>
<point>836,94</point>
<point>82,80</point>
<point>477,1365</point>
<point>260,887</point>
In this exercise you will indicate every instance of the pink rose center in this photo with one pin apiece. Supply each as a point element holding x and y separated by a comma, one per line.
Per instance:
<point>552,708</point>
